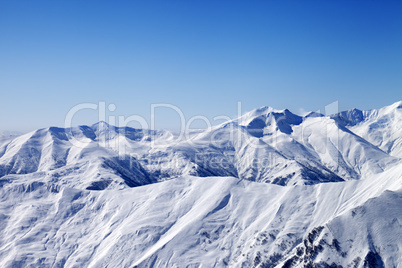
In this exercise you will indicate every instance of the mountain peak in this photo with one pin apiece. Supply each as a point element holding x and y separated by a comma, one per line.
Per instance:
<point>349,118</point>
<point>268,119</point>
<point>266,109</point>
<point>313,114</point>
<point>101,124</point>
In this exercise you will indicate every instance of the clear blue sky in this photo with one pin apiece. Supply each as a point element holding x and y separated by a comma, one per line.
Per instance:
<point>202,56</point>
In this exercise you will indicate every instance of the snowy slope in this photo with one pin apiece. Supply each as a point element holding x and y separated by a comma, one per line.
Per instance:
<point>209,221</point>
<point>368,235</point>
<point>268,189</point>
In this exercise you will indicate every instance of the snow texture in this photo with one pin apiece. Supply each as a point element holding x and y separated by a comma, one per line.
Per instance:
<point>327,192</point>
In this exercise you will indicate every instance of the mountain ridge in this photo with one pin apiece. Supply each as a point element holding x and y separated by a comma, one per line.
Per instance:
<point>278,137</point>
<point>271,189</point>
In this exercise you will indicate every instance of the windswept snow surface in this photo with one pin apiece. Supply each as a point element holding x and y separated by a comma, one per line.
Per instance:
<point>328,193</point>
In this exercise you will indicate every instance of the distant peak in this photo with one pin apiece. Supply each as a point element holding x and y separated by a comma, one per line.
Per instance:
<point>313,114</point>
<point>349,118</point>
<point>266,110</point>
<point>269,119</point>
<point>101,124</point>
<point>263,111</point>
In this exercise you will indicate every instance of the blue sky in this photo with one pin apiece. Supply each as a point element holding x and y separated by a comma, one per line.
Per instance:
<point>202,56</point>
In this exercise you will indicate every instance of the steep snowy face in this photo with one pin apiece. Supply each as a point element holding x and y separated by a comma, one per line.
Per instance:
<point>380,127</point>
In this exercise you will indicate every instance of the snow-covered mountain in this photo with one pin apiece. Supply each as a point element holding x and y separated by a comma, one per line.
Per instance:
<point>380,127</point>
<point>264,145</point>
<point>268,189</point>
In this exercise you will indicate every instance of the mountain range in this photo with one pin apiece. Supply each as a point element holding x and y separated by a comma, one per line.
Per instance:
<point>267,189</point>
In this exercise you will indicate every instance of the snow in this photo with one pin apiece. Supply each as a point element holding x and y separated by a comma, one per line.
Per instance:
<point>331,196</point>
<point>264,145</point>
<point>383,128</point>
<point>192,220</point>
